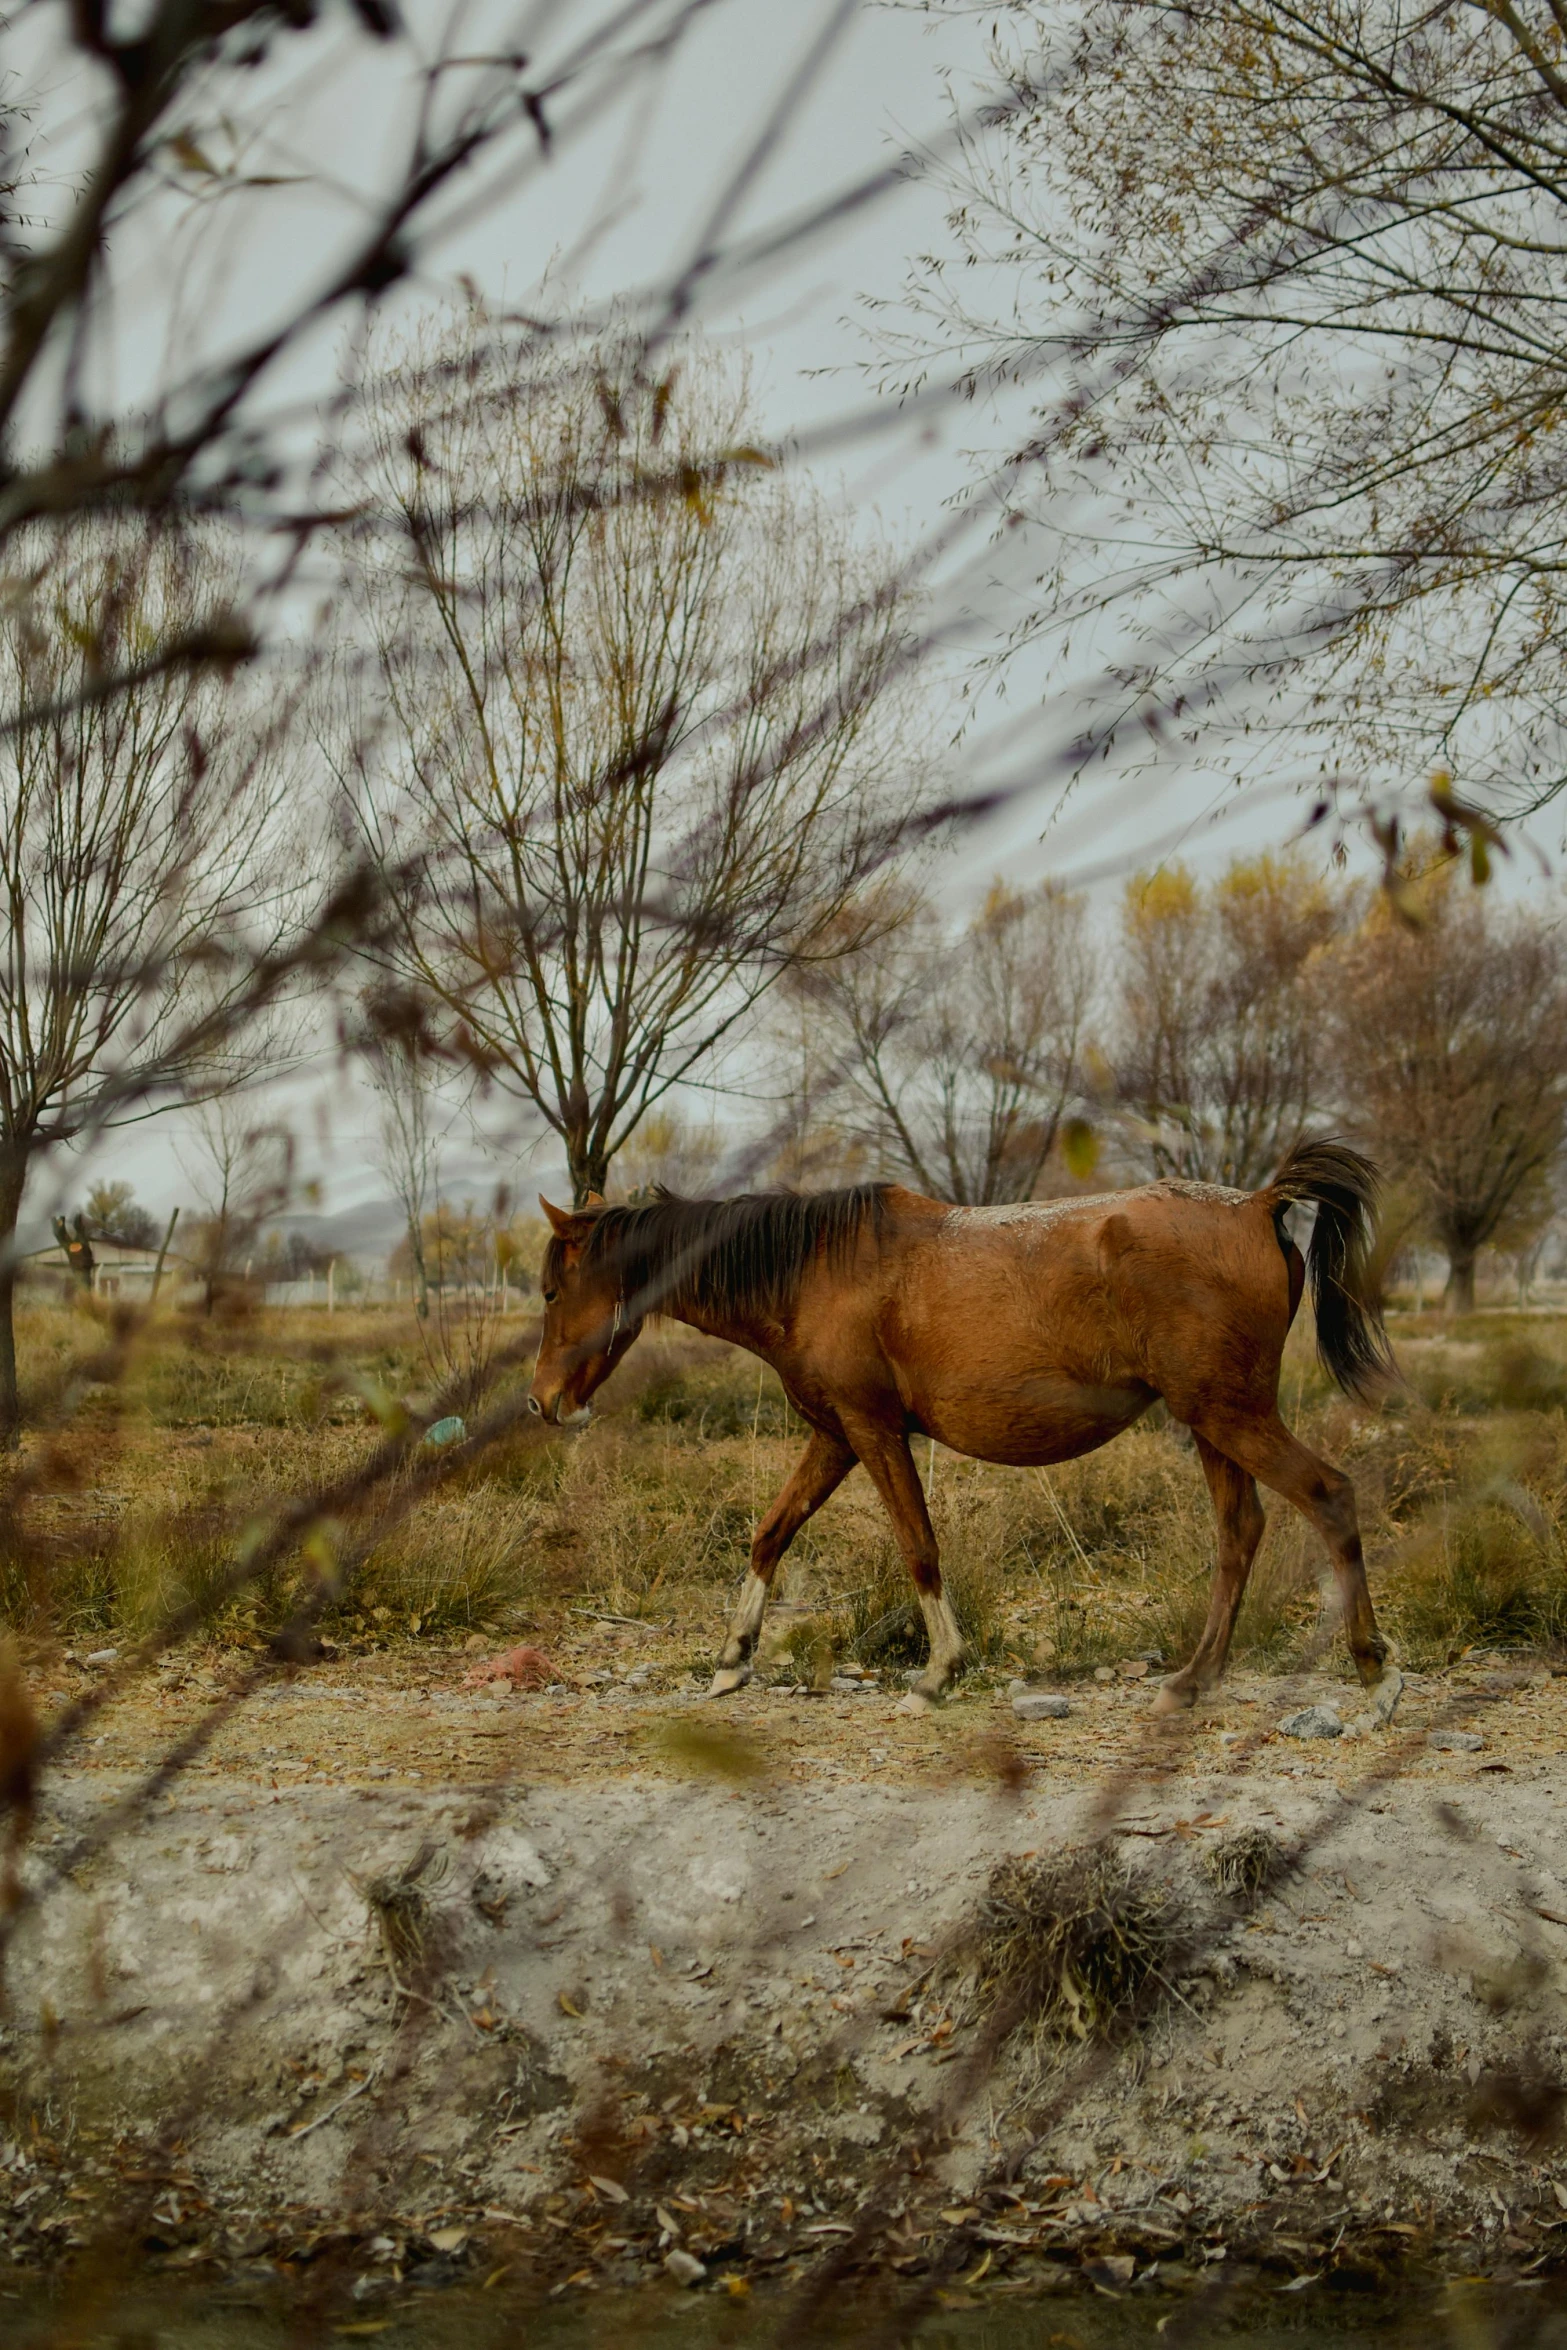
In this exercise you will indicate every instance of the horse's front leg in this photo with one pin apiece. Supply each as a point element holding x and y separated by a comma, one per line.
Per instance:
<point>821,1469</point>
<point>890,1465</point>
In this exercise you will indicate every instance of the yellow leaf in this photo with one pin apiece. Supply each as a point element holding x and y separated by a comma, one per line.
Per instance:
<point>1079,1148</point>
<point>319,1551</point>
<point>185,152</point>
<point>568,2006</point>
<point>383,1406</point>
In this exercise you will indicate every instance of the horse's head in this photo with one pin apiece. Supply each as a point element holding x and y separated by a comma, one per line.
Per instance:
<point>586,1327</point>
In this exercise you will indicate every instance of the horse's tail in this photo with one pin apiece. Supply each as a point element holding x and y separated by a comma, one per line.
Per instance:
<point>1342,1184</point>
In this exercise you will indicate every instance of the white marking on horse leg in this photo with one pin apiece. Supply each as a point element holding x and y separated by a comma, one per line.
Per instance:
<point>1385,1695</point>
<point>734,1658</point>
<point>746,1621</point>
<point>727,1679</point>
<point>946,1644</point>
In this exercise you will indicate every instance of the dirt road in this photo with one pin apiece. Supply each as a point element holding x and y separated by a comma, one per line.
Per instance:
<point>576,1982</point>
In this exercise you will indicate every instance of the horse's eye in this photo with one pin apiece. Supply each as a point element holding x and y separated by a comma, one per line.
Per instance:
<point>550,1295</point>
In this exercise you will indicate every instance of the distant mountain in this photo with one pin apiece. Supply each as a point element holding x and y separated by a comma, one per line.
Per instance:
<point>371,1230</point>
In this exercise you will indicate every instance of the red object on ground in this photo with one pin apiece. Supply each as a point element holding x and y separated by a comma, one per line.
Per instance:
<point>524,1668</point>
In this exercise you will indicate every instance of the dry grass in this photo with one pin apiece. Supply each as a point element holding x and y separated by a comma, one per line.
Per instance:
<point>1072,1947</point>
<point>144,1496</point>
<point>397,1903</point>
<point>1245,1864</point>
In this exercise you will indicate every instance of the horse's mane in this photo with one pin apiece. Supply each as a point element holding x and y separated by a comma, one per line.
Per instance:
<point>739,1256</point>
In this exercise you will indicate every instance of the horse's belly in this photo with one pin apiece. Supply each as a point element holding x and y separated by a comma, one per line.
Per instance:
<point>1033,1422</point>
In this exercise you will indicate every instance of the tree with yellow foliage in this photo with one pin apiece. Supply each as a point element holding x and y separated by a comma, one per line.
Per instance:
<point>1219,1046</point>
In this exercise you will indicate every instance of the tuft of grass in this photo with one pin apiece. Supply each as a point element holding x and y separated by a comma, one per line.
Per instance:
<point>1245,1864</point>
<point>1071,1947</point>
<point>401,1911</point>
<point>810,1646</point>
<point>463,1559</point>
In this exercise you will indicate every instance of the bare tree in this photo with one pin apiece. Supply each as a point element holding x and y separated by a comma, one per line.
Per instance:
<point>409,1146</point>
<point>164,150</point>
<point>139,864</point>
<point>1221,1043</point>
<point>1283,280</point>
<point>811,1136</point>
<point>639,745</point>
<point>242,1174</point>
<point>964,1051</point>
<point>1451,1042</point>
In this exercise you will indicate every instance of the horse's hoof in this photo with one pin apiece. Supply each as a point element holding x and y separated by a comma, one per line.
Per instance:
<point>916,1702</point>
<point>728,1679</point>
<point>1172,1699</point>
<point>1386,1694</point>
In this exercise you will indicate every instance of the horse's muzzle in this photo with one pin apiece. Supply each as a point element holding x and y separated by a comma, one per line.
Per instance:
<point>555,1417</point>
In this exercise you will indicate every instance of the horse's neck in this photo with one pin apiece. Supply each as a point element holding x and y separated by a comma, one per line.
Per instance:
<point>734,1329</point>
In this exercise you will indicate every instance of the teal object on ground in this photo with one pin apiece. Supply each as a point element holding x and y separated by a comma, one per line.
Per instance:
<point>449,1431</point>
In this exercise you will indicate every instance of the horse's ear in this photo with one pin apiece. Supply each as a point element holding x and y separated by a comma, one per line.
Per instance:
<point>593,1199</point>
<point>560,1218</point>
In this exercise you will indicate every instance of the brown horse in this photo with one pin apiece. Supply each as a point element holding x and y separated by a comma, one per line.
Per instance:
<point>1022,1334</point>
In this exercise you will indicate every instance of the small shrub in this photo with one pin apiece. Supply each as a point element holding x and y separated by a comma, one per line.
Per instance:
<point>1524,1379</point>
<point>705,1399</point>
<point>1474,1376</point>
<point>1474,1576</point>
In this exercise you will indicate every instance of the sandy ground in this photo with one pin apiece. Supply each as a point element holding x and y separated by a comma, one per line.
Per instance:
<point>662,1985</point>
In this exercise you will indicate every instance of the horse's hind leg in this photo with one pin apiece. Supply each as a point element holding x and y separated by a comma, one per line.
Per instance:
<point>890,1466</point>
<point>1241,1522</point>
<point>821,1469</point>
<point>1326,1498</point>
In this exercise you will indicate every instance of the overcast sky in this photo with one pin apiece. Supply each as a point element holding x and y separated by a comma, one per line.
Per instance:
<point>620,212</point>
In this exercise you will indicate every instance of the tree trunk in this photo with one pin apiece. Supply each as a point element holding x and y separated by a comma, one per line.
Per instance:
<point>1461,1281</point>
<point>13,1178</point>
<point>589,1174</point>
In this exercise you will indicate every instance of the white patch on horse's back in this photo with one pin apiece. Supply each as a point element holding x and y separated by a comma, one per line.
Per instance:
<point>1040,1212</point>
